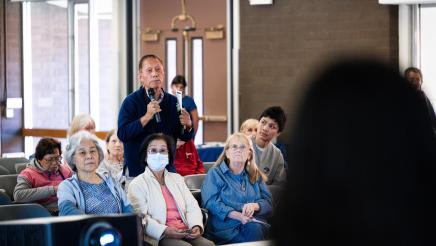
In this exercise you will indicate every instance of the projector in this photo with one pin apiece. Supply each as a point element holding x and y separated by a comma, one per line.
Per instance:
<point>82,230</point>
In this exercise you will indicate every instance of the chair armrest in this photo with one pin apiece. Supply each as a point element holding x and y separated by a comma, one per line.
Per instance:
<point>205,213</point>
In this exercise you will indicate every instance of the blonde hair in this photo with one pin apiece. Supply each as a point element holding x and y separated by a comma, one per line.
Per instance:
<point>254,173</point>
<point>78,122</point>
<point>247,123</point>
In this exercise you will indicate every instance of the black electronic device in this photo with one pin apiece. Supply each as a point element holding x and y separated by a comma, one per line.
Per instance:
<point>83,230</point>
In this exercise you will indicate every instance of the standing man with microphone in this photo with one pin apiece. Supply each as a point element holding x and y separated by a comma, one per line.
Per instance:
<point>150,110</point>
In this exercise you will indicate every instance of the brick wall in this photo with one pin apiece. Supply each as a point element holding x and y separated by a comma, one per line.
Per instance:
<point>283,44</point>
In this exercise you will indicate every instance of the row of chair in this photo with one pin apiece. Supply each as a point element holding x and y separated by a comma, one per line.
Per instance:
<point>9,211</point>
<point>9,170</point>
<point>23,211</point>
<point>16,165</point>
<point>9,181</point>
<point>195,181</point>
<point>208,165</point>
<point>12,165</point>
<point>7,186</point>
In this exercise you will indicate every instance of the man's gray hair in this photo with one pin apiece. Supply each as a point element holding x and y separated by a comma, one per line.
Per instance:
<point>74,142</point>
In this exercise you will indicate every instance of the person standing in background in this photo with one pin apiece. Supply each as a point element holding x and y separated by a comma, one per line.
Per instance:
<point>150,110</point>
<point>187,160</point>
<point>414,76</point>
<point>179,84</point>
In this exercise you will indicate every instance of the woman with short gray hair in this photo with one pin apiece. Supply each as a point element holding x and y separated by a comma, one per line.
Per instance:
<point>87,191</point>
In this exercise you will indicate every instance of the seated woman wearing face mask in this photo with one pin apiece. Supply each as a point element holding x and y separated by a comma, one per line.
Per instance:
<point>171,214</point>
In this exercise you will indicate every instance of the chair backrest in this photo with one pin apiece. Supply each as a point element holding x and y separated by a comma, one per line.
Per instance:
<point>4,198</point>
<point>9,163</point>
<point>8,183</point>
<point>194,181</point>
<point>197,195</point>
<point>208,165</point>
<point>4,171</point>
<point>20,167</point>
<point>276,193</point>
<point>23,211</point>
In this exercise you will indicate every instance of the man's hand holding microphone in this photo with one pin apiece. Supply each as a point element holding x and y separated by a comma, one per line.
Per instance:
<point>153,109</point>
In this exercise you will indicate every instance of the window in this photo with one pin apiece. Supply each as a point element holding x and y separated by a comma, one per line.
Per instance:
<point>81,58</point>
<point>428,50</point>
<point>197,83</point>
<point>171,53</point>
<point>45,58</point>
<point>62,79</point>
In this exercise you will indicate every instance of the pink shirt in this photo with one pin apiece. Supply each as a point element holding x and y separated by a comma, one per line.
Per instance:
<point>173,215</point>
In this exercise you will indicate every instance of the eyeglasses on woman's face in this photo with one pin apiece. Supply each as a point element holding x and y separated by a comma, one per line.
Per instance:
<point>157,146</point>
<point>53,159</point>
<point>235,147</point>
<point>84,152</point>
<point>152,151</point>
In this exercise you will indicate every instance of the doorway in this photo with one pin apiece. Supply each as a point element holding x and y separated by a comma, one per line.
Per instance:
<point>196,48</point>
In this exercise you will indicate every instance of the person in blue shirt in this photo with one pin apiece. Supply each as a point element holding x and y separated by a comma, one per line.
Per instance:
<point>235,193</point>
<point>179,84</point>
<point>143,113</point>
<point>187,160</point>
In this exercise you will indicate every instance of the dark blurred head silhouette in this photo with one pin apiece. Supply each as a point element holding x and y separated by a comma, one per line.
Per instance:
<point>363,156</point>
<point>414,76</point>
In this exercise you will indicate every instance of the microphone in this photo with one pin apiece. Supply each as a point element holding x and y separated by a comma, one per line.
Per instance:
<point>179,96</point>
<point>150,93</point>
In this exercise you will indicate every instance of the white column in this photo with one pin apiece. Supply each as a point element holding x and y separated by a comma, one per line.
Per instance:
<point>94,66</point>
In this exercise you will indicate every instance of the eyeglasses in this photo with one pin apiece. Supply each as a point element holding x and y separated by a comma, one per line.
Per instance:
<point>83,153</point>
<point>53,159</point>
<point>153,151</point>
<point>235,147</point>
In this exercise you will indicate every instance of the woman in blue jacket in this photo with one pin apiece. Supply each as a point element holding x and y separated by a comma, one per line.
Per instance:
<point>236,195</point>
<point>88,192</point>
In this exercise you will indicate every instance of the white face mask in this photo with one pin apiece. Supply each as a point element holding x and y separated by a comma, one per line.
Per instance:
<point>157,162</point>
